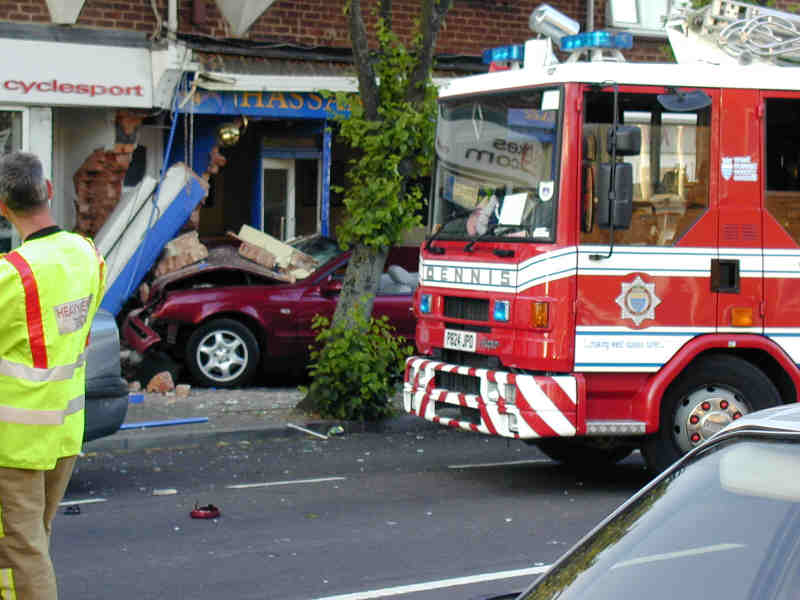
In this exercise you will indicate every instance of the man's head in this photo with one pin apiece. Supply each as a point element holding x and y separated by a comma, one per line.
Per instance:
<point>24,190</point>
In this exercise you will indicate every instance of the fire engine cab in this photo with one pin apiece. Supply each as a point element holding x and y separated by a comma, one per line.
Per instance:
<point>613,259</point>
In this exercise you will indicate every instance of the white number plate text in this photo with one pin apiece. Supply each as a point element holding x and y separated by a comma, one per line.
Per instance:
<point>460,340</point>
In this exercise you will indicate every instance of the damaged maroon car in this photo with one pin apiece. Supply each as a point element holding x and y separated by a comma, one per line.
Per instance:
<point>227,317</point>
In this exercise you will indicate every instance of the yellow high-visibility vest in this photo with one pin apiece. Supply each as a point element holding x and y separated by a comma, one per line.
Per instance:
<point>50,289</point>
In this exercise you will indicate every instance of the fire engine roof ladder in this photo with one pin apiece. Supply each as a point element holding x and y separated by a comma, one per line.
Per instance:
<point>732,32</point>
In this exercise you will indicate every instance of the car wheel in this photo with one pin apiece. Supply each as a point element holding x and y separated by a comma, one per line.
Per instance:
<point>710,394</point>
<point>590,452</point>
<point>222,353</point>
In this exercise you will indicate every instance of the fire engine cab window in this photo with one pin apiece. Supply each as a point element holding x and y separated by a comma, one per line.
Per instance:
<point>782,197</point>
<point>670,173</point>
<point>496,167</point>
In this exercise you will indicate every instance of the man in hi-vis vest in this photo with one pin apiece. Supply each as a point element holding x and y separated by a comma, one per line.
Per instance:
<point>50,288</point>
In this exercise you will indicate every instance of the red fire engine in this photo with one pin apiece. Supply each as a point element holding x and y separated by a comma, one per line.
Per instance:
<point>614,246</point>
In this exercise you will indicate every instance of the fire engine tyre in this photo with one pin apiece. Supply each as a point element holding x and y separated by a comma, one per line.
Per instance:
<point>583,452</point>
<point>222,353</point>
<point>708,395</point>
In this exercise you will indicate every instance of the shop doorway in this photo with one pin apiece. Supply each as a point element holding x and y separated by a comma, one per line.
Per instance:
<point>278,197</point>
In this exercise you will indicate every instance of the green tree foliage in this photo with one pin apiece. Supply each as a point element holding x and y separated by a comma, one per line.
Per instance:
<point>382,201</point>
<point>360,369</point>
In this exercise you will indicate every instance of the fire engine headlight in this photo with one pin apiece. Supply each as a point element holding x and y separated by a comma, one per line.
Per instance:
<point>492,392</point>
<point>425,303</point>
<point>502,310</point>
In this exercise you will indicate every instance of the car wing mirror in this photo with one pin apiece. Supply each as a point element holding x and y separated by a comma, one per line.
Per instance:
<point>331,287</point>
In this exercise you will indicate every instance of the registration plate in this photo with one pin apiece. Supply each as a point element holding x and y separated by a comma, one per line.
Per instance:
<point>459,340</point>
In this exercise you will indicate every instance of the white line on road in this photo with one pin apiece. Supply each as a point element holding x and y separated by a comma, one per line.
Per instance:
<point>533,461</point>
<point>441,583</point>
<point>240,486</point>
<point>87,501</point>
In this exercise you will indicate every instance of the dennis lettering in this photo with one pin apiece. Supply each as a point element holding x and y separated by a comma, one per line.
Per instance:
<point>470,276</point>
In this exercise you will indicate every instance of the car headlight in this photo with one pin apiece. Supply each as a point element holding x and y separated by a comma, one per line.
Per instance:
<point>502,309</point>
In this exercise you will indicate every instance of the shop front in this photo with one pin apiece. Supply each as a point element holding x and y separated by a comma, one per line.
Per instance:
<point>59,100</point>
<point>276,172</point>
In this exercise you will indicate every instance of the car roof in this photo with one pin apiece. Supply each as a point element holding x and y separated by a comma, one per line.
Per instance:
<point>785,418</point>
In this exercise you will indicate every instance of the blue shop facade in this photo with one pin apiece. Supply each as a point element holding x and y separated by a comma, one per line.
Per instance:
<point>268,156</point>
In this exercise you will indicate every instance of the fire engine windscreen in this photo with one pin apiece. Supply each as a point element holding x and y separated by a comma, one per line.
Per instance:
<point>496,165</point>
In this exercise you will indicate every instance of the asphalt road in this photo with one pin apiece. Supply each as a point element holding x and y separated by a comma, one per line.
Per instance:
<point>440,515</point>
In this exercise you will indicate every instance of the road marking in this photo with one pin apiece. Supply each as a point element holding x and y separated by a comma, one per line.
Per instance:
<point>240,486</point>
<point>441,583</point>
<point>533,461</point>
<point>87,501</point>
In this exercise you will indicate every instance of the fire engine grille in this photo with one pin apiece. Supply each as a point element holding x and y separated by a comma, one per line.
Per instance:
<point>472,309</point>
<point>456,382</point>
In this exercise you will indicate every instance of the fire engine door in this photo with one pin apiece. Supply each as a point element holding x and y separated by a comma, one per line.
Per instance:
<point>642,300</point>
<point>737,273</point>
<point>781,218</point>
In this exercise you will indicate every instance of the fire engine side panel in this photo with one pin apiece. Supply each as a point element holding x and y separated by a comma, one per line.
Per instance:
<point>739,198</point>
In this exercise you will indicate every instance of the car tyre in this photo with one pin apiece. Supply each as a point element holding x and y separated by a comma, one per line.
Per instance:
<point>709,394</point>
<point>222,353</point>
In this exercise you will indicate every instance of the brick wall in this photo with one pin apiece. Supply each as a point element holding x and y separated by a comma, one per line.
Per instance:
<point>471,25</point>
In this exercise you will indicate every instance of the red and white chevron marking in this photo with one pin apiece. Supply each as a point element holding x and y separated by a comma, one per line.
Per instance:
<point>544,406</point>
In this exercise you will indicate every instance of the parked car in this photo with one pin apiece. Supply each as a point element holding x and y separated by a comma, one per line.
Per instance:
<point>723,522</point>
<point>106,391</point>
<point>227,315</point>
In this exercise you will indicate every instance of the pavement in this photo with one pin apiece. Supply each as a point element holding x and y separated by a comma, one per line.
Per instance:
<point>212,416</point>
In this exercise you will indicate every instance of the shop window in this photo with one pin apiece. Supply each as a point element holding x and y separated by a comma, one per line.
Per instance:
<point>670,174</point>
<point>782,163</point>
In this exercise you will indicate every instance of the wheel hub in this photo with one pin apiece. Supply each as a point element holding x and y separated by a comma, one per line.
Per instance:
<point>705,412</point>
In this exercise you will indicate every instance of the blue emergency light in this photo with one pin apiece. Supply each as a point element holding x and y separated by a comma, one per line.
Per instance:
<point>597,39</point>
<point>504,54</point>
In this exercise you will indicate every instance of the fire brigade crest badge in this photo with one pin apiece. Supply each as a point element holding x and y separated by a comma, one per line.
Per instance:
<point>638,300</point>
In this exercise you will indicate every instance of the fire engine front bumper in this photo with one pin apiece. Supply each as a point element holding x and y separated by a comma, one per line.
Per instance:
<point>507,404</point>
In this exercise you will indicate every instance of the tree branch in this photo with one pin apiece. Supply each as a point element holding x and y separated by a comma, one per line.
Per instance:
<point>366,74</point>
<point>433,13</point>
<point>386,13</point>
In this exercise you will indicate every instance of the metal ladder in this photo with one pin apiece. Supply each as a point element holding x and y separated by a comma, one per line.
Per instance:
<point>745,31</point>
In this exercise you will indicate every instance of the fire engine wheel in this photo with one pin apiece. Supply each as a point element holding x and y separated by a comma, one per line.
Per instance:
<point>711,393</point>
<point>584,452</point>
<point>222,353</point>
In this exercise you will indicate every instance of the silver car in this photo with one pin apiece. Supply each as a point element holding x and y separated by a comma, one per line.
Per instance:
<point>722,522</point>
<point>106,390</point>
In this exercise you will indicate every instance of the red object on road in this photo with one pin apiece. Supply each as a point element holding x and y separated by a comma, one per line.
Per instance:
<point>205,512</point>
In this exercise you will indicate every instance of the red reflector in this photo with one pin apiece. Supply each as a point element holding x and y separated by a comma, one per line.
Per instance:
<point>694,419</point>
<point>695,437</point>
<point>724,404</point>
<point>706,406</point>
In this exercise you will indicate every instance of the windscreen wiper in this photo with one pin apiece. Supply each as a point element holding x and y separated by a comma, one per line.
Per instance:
<point>453,216</point>
<point>493,231</point>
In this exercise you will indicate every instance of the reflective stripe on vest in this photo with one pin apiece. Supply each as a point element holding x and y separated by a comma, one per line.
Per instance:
<point>36,374</point>
<point>27,416</point>
<point>7,589</point>
<point>32,309</point>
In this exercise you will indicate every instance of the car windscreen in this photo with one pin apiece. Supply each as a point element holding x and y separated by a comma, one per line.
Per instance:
<point>320,248</point>
<point>497,166</point>
<point>726,525</point>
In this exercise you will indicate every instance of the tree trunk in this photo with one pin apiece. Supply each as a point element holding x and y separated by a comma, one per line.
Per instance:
<point>362,278</point>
